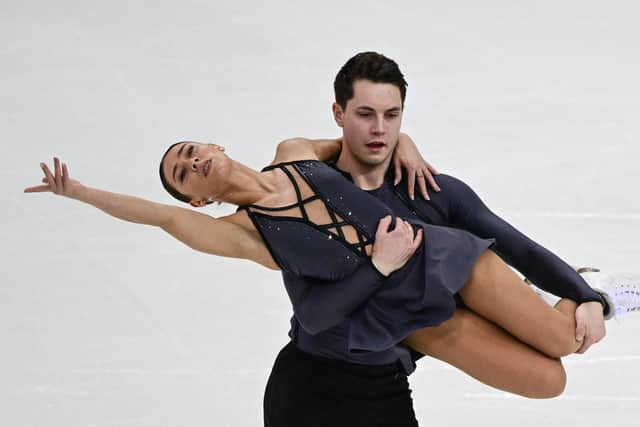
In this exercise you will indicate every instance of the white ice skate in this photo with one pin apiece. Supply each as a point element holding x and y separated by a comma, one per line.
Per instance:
<point>620,290</point>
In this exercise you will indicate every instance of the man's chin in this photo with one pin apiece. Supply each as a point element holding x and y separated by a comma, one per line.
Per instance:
<point>373,159</point>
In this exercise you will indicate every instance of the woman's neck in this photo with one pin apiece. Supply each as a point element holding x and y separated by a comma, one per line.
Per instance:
<point>247,186</point>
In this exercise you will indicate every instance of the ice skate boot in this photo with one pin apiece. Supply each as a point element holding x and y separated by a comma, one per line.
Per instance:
<point>621,291</point>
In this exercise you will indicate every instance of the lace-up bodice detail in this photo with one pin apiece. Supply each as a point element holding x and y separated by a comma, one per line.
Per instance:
<point>328,231</point>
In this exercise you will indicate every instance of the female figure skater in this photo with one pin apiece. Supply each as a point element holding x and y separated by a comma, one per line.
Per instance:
<point>303,217</point>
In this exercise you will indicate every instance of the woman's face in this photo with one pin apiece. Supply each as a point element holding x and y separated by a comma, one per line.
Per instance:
<point>196,170</point>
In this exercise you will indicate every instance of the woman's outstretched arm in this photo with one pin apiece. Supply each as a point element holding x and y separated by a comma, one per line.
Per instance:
<point>198,231</point>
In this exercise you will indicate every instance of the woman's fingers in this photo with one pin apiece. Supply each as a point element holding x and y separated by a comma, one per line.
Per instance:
<point>58,182</point>
<point>423,186</point>
<point>65,177</point>
<point>38,189</point>
<point>432,169</point>
<point>397,166</point>
<point>50,178</point>
<point>58,176</point>
<point>429,173</point>
<point>411,182</point>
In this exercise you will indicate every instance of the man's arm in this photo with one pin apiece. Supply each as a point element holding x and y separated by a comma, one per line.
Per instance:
<point>459,206</point>
<point>322,304</point>
<point>542,266</point>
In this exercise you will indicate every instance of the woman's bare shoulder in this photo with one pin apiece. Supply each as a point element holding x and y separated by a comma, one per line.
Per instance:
<point>293,149</point>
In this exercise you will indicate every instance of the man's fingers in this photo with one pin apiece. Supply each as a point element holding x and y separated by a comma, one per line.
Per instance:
<point>580,330</point>
<point>418,240</point>
<point>584,347</point>
<point>408,229</point>
<point>383,225</point>
<point>411,235</point>
<point>398,224</point>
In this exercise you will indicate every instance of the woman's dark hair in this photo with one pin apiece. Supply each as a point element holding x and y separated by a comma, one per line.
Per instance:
<point>371,66</point>
<point>170,188</point>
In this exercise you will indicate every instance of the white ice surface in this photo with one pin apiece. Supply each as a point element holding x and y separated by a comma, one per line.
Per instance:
<point>103,323</point>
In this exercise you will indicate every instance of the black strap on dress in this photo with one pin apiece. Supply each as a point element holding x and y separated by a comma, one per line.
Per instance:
<point>336,222</point>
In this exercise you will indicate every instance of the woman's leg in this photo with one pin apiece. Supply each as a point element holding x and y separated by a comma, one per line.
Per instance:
<point>491,355</point>
<point>496,293</point>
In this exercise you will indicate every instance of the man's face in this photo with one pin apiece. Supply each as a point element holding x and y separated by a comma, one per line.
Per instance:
<point>371,121</point>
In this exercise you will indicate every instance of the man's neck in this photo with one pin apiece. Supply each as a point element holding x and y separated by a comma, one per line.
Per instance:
<point>365,176</point>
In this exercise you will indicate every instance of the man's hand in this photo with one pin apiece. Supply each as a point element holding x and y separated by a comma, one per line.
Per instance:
<point>392,249</point>
<point>589,325</point>
<point>407,156</point>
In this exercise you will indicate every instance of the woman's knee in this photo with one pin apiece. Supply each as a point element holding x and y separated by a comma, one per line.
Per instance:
<point>549,381</point>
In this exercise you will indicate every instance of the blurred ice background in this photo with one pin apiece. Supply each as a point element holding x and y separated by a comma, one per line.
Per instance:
<point>103,323</point>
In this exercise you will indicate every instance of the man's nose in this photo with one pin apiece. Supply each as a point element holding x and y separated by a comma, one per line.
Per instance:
<point>378,126</point>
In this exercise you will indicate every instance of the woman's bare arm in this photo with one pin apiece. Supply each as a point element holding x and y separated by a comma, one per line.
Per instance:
<point>303,148</point>
<point>406,157</point>
<point>198,231</point>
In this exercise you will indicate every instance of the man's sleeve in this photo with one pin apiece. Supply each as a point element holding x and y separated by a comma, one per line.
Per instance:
<point>465,210</point>
<point>319,305</point>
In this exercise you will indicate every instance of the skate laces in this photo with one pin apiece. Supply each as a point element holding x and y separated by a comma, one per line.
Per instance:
<point>624,291</point>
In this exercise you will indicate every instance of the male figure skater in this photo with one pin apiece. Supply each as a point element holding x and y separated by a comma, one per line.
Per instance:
<point>315,380</point>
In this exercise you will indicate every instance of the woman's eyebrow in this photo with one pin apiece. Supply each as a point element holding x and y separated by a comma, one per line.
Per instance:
<point>175,167</point>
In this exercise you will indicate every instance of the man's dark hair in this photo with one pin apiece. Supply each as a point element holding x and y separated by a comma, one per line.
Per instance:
<point>371,66</point>
<point>170,188</point>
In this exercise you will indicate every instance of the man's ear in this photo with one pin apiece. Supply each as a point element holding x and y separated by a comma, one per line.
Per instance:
<point>338,114</point>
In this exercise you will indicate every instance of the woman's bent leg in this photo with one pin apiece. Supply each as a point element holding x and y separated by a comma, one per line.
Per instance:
<point>491,355</point>
<point>496,293</point>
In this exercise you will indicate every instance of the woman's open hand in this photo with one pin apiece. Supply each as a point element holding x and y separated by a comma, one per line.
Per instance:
<point>407,156</point>
<point>58,182</point>
<point>392,249</point>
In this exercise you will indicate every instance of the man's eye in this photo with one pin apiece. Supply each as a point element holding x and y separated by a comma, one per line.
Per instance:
<point>183,174</point>
<point>190,151</point>
<point>364,114</point>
